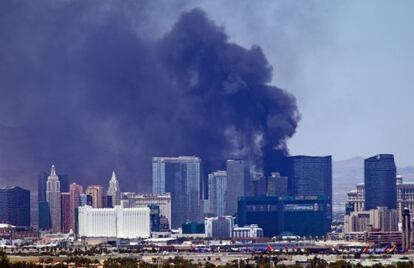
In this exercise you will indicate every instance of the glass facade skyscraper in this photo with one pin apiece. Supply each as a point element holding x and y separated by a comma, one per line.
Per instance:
<point>311,176</point>
<point>380,182</point>
<point>41,186</point>
<point>43,207</point>
<point>238,176</point>
<point>181,177</point>
<point>217,192</point>
<point>15,206</point>
<point>44,215</point>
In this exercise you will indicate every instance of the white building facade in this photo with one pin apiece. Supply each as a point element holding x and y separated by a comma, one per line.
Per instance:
<point>114,222</point>
<point>251,231</point>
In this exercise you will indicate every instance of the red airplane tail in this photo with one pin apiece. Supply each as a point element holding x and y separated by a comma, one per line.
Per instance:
<point>392,250</point>
<point>269,248</point>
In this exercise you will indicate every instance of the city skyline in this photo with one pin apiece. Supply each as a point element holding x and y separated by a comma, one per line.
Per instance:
<point>193,133</point>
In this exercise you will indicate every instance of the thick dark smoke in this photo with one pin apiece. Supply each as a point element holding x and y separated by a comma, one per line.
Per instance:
<point>86,87</point>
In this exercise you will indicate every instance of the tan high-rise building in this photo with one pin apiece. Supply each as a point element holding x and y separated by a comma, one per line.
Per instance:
<point>75,191</point>
<point>358,221</point>
<point>384,219</point>
<point>96,192</point>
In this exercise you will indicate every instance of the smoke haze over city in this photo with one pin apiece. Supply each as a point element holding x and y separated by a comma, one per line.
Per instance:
<point>86,89</point>
<point>96,86</point>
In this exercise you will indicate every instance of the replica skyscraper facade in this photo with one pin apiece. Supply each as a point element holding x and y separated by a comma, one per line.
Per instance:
<point>114,191</point>
<point>53,198</point>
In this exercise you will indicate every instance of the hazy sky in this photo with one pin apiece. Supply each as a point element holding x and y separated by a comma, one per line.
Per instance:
<point>350,65</point>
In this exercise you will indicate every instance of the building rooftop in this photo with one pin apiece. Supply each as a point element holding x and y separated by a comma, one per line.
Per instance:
<point>177,158</point>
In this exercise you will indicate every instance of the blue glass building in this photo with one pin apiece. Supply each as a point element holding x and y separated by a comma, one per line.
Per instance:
<point>380,182</point>
<point>181,177</point>
<point>298,215</point>
<point>155,217</point>
<point>261,210</point>
<point>305,215</point>
<point>311,176</point>
<point>15,206</point>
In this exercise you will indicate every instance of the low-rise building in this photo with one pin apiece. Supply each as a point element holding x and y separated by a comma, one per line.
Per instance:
<point>380,219</point>
<point>219,227</point>
<point>193,228</point>
<point>278,215</point>
<point>11,232</point>
<point>405,197</point>
<point>357,221</point>
<point>251,231</point>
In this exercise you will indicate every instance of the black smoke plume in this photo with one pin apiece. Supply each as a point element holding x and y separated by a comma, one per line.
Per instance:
<point>90,89</point>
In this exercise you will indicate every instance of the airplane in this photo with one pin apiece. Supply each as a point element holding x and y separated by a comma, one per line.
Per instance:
<point>391,250</point>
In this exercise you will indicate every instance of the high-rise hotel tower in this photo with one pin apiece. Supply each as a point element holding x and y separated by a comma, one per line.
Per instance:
<point>380,182</point>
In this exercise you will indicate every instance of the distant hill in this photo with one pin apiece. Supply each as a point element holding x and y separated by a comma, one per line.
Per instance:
<point>351,171</point>
<point>407,173</point>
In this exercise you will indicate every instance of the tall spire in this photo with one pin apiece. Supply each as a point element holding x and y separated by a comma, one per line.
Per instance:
<point>113,178</point>
<point>53,171</point>
<point>113,190</point>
